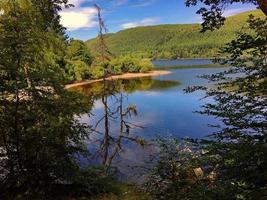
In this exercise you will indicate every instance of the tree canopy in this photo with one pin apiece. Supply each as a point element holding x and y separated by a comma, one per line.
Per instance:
<point>212,14</point>
<point>173,41</point>
<point>230,163</point>
<point>39,136</point>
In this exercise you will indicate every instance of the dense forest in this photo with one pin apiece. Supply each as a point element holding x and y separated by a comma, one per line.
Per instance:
<point>46,151</point>
<point>174,41</point>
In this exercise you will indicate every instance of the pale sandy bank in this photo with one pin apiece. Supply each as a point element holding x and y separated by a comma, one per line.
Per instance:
<point>122,76</point>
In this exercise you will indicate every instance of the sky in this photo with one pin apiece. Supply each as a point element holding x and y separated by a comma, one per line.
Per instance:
<point>81,20</point>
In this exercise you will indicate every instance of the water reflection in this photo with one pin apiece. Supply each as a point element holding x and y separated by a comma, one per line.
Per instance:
<point>115,122</point>
<point>163,109</point>
<point>126,86</point>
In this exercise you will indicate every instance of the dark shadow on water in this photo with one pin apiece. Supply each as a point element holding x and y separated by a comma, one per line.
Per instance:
<point>127,85</point>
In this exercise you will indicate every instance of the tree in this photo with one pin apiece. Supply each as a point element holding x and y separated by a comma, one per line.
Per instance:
<point>103,53</point>
<point>111,144</point>
<point>240,102</point>
<point>77,50</point>
<point>238,150</point>
<point>40,140</point>
<point>49,13</point>
<point>124,64</point>
<point>212,16</point>
<point>233,160</point>
<point>78,60</point>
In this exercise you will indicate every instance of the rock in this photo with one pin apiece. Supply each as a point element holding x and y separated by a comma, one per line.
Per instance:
<point>198,172</point>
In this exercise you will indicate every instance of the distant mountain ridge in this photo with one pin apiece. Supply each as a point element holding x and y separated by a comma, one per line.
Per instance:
<point>174,40</point>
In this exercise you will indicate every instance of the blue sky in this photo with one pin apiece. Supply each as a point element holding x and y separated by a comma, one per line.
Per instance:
<point>121,14</point>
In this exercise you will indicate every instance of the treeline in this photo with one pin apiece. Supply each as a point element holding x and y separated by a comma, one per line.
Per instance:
<point>81,64</point>
<point>43,144</point>
<point>173,41</point>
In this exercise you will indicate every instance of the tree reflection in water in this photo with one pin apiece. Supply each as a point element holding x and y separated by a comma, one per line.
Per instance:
<point>112,95</point>
<point>111,145</point>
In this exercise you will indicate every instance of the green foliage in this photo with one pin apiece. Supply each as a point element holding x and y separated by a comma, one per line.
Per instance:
<point>91,182</point>
<point>120,65</point>
<point>231,164</point>
<point>173,41</point>
<point>78,70</point>
<point>145,65</point>
<point>40,140</point>
<point>240,103</point>
<point>78,61</point>
<point>125,85</point>
<point>128,63</point>
<point>178,174</point>
<point>212,13</point>
<point>97,72</point>
<point>77,50</point>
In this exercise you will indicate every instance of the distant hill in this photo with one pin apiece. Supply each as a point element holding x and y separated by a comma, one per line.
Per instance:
<point>174,41</point>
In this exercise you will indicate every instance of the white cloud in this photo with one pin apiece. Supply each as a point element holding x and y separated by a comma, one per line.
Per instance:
<point>78,18</point>
<point>235,11</point>
<point>143,3</point>
<point>143,22</point>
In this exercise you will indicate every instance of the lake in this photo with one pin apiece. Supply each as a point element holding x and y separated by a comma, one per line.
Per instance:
<point>163,108</point>
<point>182,62</point>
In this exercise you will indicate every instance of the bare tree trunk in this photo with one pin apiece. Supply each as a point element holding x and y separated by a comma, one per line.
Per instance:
<point>263,6</point>
<point>105,145</point>
<point>117,148</point>
<point>103,50</point>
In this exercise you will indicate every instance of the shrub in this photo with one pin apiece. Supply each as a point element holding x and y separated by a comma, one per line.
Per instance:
<point>129,63</point>
<point>78,70</point>
<point>77,50</point>
<point>145,65</point>
<point>182,172</point>
<point>97,72</point>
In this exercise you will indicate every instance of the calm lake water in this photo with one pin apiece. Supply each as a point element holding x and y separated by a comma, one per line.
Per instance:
<point>182,62</point>
<point>164,109</point>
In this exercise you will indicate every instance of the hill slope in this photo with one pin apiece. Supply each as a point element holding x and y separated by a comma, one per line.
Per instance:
<point>174,41</point>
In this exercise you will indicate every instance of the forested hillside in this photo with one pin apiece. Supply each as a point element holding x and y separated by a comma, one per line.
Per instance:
<point>174,41</point>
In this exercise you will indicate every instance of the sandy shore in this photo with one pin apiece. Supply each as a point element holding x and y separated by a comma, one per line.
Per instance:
<point>122,76</point>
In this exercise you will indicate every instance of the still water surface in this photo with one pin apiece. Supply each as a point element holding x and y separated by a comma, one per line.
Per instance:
<point>164,109</point>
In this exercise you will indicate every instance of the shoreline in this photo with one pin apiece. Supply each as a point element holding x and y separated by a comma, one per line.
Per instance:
<point>122,76</point>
